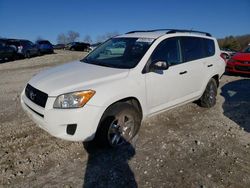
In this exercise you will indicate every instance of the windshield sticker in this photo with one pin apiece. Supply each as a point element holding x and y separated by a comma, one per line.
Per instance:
<point>146,40</point>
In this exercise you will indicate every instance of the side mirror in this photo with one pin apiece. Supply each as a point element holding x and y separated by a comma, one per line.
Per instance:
<point>158,65</point>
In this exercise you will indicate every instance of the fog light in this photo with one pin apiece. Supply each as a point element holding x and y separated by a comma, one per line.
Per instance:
<point>71,129</point>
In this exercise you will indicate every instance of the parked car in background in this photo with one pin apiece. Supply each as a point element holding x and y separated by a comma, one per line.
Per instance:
<point>240,62</point>
<point>7,52</point>
<point>78,46</point>
<point>59,46</point>
<point>44,47</point>
<point>93,46</point>
<point>24,48</point>
<point>226,53</point>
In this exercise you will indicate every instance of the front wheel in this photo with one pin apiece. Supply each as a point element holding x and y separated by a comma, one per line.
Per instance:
<point>118,126</point>
<point>208,99</point>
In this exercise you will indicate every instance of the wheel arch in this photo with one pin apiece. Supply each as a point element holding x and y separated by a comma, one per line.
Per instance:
<point>131,100</point>
<point>216,77</point>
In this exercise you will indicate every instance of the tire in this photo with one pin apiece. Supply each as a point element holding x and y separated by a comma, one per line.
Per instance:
<point>72,49</point>
<point>27,55</point>
<point>208,99</point>
<point>119,125</point>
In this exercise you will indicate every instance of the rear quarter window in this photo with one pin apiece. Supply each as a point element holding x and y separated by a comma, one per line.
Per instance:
<point>209,47</point>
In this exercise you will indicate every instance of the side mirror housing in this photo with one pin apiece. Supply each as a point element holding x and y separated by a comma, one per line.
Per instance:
<point>158,65</point>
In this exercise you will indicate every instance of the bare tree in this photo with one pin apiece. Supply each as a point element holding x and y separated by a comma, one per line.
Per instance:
<point>72,36</point>
<point>87,39</point>
<point>106,36</point>
<point>62,39</point>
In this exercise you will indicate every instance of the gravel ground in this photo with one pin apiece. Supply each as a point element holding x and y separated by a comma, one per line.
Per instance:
<point>185,147</point>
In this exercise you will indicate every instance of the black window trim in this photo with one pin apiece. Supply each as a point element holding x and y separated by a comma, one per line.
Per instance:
<point>179,38</point>
<point>203,47</point>
<point>146,67</point>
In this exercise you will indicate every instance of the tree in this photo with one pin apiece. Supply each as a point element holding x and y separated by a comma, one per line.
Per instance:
<point>87,39</point>
<point>62,39</point>
<point>102,38</point>
<point>72,36</point>
<point>234,42</point>
<point>231,43</point>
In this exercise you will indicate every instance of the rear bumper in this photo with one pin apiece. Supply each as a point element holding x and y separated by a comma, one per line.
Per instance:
<point>56,121</point>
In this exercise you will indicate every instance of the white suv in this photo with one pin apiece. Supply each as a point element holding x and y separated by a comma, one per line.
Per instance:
<point>105,96</point>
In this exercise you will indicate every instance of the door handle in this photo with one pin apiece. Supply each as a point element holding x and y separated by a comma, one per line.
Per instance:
<point>210,65</point>
<point>184,72</point>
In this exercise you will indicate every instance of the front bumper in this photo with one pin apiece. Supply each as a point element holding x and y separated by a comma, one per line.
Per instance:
<point>238,68</point>
<point>56,121</point>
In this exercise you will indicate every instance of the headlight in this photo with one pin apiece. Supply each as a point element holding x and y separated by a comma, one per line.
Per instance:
<point>73,100</point>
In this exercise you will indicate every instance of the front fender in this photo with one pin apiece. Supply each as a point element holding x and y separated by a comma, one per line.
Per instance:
<point>109,93</point>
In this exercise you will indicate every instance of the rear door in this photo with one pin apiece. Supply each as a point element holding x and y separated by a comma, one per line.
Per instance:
<point>32,48</point>
<point>196,65</point>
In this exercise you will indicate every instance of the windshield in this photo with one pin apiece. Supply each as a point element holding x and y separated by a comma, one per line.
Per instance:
<point>119,52</point>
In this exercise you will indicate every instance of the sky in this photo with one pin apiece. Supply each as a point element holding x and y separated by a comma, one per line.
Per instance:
<point>30,19</point>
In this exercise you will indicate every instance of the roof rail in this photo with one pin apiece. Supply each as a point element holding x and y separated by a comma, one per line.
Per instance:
<point>187,31</point>
<point>139,31</point>
<point>153,30</point>
<point>169,31</point>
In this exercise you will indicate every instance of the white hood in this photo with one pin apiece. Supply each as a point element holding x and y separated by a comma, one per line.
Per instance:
<point>74,76</point>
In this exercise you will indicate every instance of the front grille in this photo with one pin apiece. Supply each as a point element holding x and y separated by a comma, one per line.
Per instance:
<point>245,62</point>
<point>35,95</point>
<point>242,68</point>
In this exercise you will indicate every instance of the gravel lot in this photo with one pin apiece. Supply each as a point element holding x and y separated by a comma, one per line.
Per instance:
<point>185,147</point>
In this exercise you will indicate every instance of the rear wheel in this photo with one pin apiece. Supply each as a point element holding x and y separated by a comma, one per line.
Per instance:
<point>208,99</point>
<point>118,126</point>
<point>27,54</point>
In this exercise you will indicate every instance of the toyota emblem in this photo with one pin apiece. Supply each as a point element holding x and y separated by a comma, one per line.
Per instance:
<point>32,95</point>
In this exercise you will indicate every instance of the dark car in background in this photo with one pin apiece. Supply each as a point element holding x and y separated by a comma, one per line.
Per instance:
<point>78,46</point>
<point>59,46</point>
<point>240,62</point>
<point>24,48</point>
<point>44,47</point>
<point>7,52</point>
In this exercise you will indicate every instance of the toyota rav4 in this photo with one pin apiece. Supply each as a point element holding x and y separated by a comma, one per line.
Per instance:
<point>105,96</point>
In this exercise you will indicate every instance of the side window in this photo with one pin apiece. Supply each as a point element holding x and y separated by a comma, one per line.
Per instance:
<point>168,50</point>
<point>209,47</point>
<point>191,48</point>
